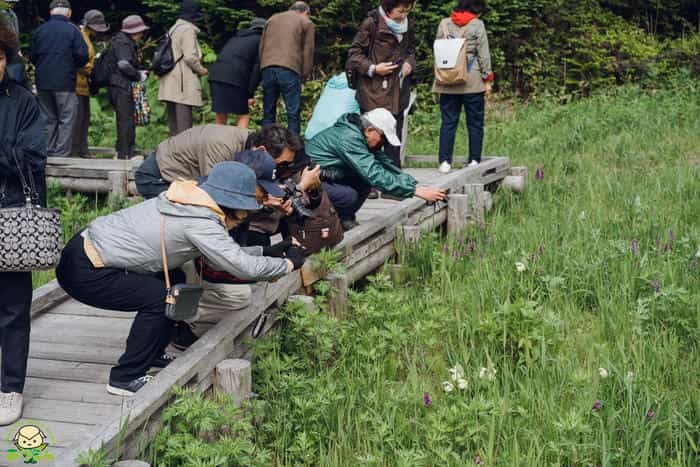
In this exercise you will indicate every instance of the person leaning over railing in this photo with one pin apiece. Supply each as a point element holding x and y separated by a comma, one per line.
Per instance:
<point>352,163</point>
<point>116,263</point>
<point>22,134</point>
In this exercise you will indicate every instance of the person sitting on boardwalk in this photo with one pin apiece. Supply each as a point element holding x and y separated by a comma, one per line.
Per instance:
<point>352,163</point>
<point>116,263</point>
<point>22,134</point>
<point>194,152</point>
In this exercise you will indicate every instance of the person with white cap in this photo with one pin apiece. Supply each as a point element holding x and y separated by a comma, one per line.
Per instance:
<point>124,72</point>
<point>352,163</point>
<point>117,262</point>
<point>91,26</point>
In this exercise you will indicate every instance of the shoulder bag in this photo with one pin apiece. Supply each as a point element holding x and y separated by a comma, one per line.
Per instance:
<point>181,300</point>
<point>450,57</point>
<point>30,236</point>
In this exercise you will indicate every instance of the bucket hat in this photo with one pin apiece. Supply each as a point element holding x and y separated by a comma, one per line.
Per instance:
<point>134,24</point>
<point>232,185</point>
<point>382,120</point>
<point>264,167</point>
<point>95,20</point>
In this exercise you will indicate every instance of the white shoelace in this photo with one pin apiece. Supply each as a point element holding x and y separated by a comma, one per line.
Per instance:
<point>145,379</point>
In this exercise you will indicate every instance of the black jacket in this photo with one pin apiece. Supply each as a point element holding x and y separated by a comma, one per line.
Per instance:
<point>57,50</point>
<point>238,63</point>
<point>126,61</point>
<point>22,130</point>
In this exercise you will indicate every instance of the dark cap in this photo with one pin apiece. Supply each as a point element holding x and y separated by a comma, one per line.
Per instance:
<point>95,20</point>
<point>265,170</point>
<point>191,11</point>
<point>59,4</point>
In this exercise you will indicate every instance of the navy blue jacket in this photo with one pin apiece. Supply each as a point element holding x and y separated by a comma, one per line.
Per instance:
<point>23,130</point>
<point>238,63</point>
<point>57,51</point>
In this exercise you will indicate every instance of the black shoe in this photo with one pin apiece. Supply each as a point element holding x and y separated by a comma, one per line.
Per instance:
<point>391,197</point>
<point>128,388</point>
<point>163,361</point>
<point>183,337</point>
<point>348,224</point>
<point>373,194</point>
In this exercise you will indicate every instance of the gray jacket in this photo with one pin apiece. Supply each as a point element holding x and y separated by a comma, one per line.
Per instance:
<point>130,239</point>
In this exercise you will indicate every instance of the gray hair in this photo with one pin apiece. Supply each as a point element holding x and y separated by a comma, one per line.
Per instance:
<point>300,7</point>
<point>61,11</point>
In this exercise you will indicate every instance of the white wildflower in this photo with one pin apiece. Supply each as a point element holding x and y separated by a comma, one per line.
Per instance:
<point>582,216</point>
<point>603,372</point>
<point>456,372</point>
<point>447,386</point>
<point>488,374</point>
<point>520,267</point>
<point>629,376</point>
<point>462,384</point>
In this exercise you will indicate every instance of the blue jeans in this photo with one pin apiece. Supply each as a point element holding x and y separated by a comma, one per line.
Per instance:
<point>347,196</point>
<point>279,80</point>
<point>451,108</point>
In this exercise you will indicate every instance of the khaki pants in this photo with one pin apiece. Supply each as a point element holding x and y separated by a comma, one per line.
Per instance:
<point>218,300</point>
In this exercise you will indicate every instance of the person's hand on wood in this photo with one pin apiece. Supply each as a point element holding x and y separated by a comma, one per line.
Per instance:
<point>385,68</point>
<point>431,194</point>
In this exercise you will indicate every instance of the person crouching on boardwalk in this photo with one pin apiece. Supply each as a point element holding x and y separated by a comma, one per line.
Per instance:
<point>352,163</point>
<point>116,263</point>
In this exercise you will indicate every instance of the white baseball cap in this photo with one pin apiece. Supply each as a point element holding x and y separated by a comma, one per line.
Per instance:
<point>382,120</point>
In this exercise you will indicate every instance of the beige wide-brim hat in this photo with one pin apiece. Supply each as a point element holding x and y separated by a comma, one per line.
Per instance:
<point>133,25</point>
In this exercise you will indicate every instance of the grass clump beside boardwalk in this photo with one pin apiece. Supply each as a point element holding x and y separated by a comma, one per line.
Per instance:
<point>564,331</point>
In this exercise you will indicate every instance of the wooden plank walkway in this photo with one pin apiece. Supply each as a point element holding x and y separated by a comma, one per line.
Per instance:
<point>73,346</point>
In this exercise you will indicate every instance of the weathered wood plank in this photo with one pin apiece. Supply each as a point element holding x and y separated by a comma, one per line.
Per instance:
<point>68,371</point>
<point>61,434</point>
<point>47,297</point>
<point>75,391</point>
<point>76,352</point>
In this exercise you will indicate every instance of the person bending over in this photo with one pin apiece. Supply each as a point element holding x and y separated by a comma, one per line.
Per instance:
<point>352,163</point>
<point>116,264</point>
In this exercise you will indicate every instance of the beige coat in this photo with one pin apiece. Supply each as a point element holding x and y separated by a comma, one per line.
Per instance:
<point>182,85</point>
<point>288,41</point>
<point>477,52</point>
<point>193,153</point>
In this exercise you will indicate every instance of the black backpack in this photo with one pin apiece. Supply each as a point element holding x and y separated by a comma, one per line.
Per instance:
<point>102,70</point>
<point>163,60</point>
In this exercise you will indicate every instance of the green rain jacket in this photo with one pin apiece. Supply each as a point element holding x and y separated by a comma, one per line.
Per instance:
<point>343,149</point>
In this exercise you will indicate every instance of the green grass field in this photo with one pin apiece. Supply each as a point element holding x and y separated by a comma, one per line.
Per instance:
<point>564,331</point>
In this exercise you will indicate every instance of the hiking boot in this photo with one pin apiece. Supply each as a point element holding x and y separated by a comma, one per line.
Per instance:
<point>128,388</point>
<point>10,407</point>
<point>163,360</point>
<point>183,336</point>
<point>348,224</point>
<point>445,168</point>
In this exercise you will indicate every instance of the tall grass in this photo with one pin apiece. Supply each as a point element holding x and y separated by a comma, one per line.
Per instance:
<point>585,353</point>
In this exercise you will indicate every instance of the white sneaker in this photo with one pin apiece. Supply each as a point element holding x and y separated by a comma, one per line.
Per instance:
<point>445,168</point>
<point>10,407</point>
<point>473,164</point>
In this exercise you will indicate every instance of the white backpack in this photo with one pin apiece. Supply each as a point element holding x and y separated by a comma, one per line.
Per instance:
<point>450,58</point>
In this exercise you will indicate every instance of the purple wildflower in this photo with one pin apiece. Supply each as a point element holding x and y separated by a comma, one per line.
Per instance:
<point>539,173</point>
<point>540,249</point>
<point>671,236</point>
<point>478,461</point>
<point>667,247</point>
<point>427,400</point>
<point>597,405</point>
<point>656,285</point>
<point>472,245</point>
<point>634,247</point>
<point>650,414</point>
<point>446,250</point>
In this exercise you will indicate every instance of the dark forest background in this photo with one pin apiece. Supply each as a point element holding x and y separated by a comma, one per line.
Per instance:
<point>558,47</point>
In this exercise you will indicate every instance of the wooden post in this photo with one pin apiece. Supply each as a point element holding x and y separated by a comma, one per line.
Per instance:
<point>118,183</point>
<point>234,377</point>
<point>457,213</point>
<point>408,234</point>
<point>475,192</point>
<point>338,303</point>
<point>514,183</point>
<point>488,200</point>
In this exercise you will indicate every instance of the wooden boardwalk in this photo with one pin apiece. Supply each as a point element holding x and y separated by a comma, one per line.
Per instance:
<point>73,346</point>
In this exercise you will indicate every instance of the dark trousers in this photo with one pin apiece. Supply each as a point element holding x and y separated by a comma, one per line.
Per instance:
<point>80,128</point>
<point>179,117</point>
<point>278,81</point>
<point>15,319</point>
<point>394,152</point>
<point>123,103</point>
<point>347,196</point>
<point>59,109</point>
<point>149,181</point>
<point>117,289</point>
<point>451,108</point>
